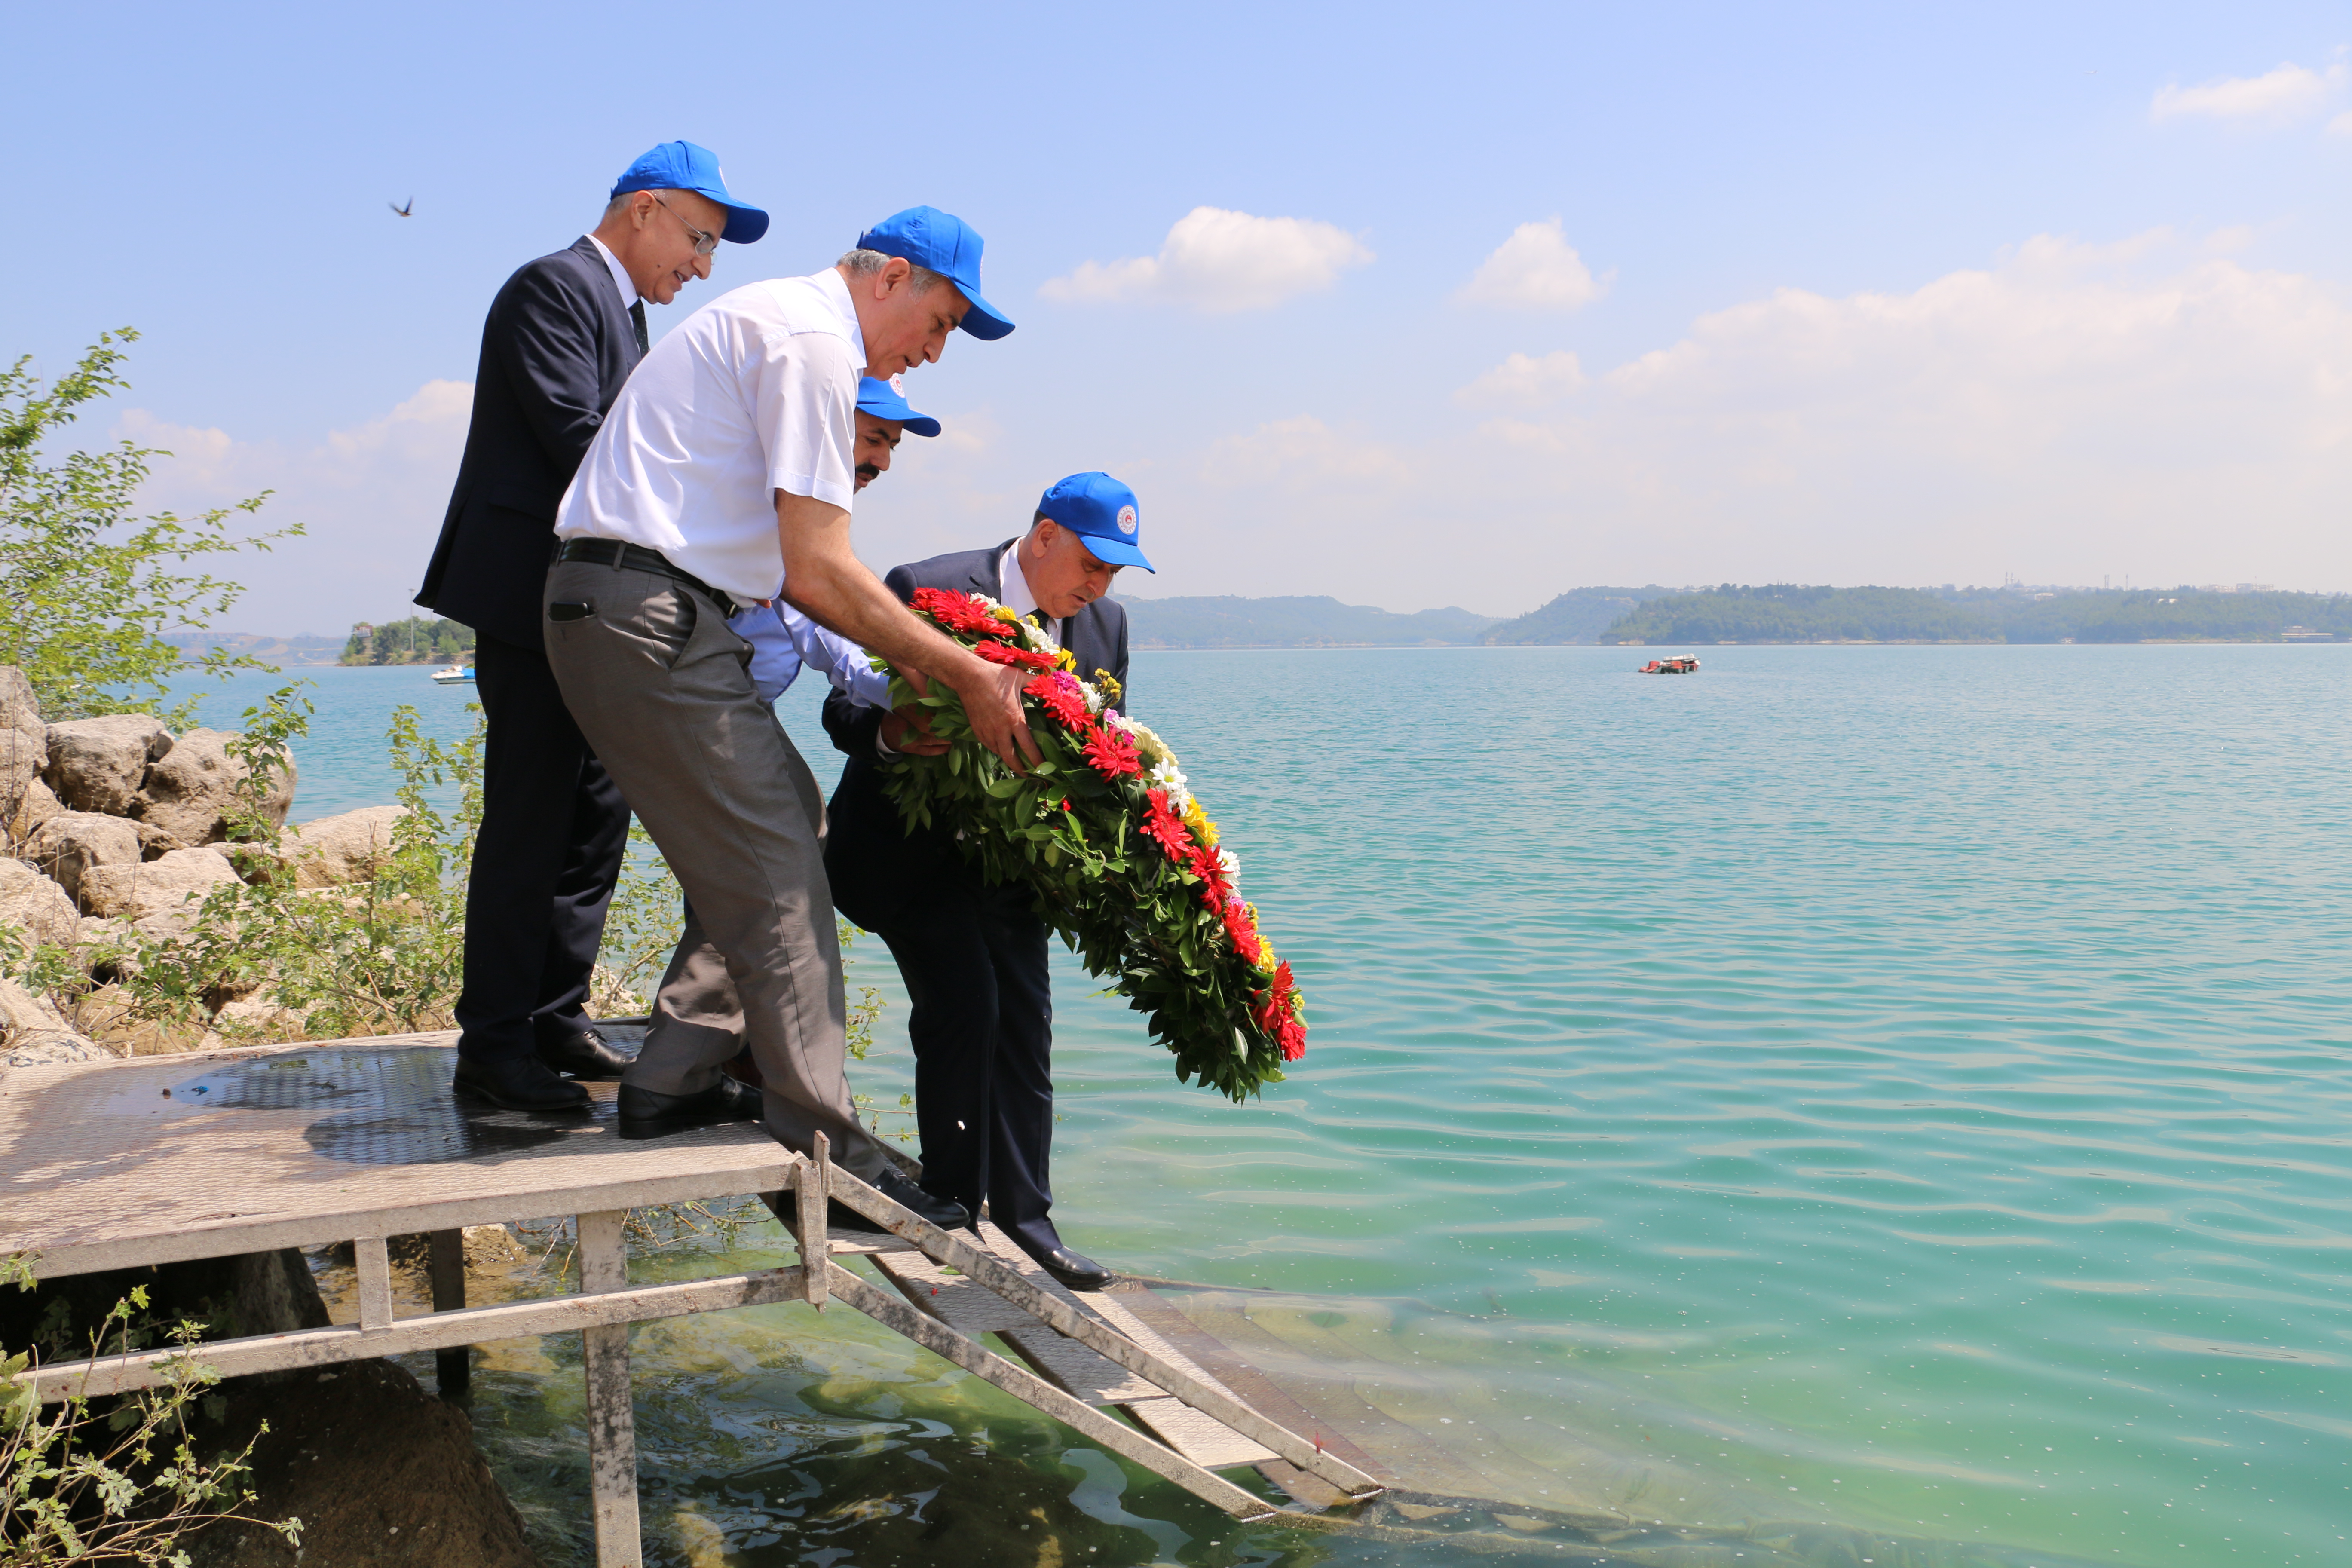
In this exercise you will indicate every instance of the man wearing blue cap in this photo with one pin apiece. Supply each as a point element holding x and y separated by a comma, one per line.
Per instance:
<point>562,336</point>
<point>723,476</point>
<point>973,955</point>
<point>698,1015</point>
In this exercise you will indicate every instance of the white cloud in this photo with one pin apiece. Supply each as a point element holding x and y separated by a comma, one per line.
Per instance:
<point>1217,260</point>
<point>2071,410</point>
<point>1534,270</point>
<point>2341,125</point>
<point>372,497</point>
<point>2285,93</point>
<point>1524,382</point>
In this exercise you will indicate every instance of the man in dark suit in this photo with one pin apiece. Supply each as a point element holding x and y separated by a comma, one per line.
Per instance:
<point>973,954</point>
<point>563,335</point>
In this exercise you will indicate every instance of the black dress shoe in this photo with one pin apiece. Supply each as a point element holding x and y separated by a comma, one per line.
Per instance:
<point>646,1114</point>
<point>1074,1270</point>
<point>518,1083</point>
<point>893,1184</point>
<point>582,1053</point>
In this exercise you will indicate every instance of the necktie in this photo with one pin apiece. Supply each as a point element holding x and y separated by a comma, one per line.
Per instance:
<point>638,316</point>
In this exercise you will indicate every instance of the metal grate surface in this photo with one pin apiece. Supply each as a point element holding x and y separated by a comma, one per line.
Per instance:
<point>104,1165</point>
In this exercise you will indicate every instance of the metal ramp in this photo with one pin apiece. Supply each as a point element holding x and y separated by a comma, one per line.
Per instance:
<point>159,1159</point>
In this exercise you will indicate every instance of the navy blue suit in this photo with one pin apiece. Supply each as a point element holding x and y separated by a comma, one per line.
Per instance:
<point>972,955</point>
<point>555,350</point>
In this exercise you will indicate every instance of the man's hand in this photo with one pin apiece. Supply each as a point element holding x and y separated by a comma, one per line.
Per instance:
<point>907,731</point>
<point>992,702</point>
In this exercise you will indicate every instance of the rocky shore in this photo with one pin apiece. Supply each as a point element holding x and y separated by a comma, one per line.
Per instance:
<point>115,831</point>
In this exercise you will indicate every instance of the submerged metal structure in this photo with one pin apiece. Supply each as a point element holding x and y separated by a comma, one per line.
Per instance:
<point>166,1159</point>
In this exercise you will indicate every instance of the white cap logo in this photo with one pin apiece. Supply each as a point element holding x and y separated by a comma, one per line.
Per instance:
<point>899,384</point>
<point>1127,519</point>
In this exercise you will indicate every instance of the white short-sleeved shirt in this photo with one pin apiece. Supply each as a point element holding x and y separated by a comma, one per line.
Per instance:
<point>784,641</point>
<point>754,393</point>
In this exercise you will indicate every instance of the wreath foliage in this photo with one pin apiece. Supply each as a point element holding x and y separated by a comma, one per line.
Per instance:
<point>1124,864</point>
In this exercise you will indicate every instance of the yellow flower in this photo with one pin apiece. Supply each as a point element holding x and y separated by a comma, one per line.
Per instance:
<point>1066,659</point>
<point>1197,821</point>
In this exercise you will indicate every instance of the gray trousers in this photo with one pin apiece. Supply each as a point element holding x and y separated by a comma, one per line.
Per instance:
<point>660,687</point>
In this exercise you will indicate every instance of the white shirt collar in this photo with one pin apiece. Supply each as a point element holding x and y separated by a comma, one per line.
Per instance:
<point>620,273</point>
<point>1016,596</point>
<point>835,291</point>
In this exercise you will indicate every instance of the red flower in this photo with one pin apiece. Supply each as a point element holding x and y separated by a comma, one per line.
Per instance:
<point>957,612</point>
<point>1244,932</point>
<point>1277,1015</point>
<point>1166,827</point>
<point>1112,753</point>
<point>1004,653</point>
<point>1059,695</point>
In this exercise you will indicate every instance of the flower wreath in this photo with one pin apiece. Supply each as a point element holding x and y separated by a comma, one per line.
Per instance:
<point>1124,864</point>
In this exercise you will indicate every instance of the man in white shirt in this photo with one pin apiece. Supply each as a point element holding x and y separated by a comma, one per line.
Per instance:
<point>723,474</point>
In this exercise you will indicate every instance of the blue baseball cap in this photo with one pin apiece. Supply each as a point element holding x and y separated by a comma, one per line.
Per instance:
<point>1100,508</point>
<point>948,246</point>
<point>887,400</point>
<point>683,166</point>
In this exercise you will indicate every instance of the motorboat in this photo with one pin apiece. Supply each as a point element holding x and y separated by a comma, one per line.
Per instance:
<point>1685,664</point>
<point>454,675</point>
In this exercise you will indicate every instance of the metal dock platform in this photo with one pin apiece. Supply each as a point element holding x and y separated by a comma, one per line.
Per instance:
<point>163,1159</point>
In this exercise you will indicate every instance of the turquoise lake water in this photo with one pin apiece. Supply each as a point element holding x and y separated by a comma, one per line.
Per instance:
<point>1910,1082</point>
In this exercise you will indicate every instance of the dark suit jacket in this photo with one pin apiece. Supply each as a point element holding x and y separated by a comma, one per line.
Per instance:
<point>555,350</point>
<point>870,854</point>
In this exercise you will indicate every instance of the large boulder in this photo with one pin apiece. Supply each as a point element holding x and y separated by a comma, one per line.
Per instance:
<point>24,745</point>
<point>347,848</point>
<point>34,909</point>
<point>35,1034</point>
<point>74,842</point>
<point>161,897</point>
<point>98,764</point>
<point>190,793</point>
<point>36,806</point>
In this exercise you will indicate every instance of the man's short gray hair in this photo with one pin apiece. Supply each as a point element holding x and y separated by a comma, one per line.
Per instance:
<point>620,204</point>
<point>865,263</point>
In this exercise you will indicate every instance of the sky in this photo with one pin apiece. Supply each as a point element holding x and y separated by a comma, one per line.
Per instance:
<point>1410,306</point>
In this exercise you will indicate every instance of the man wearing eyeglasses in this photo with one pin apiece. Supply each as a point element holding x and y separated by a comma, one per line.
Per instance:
<point>563,335</point>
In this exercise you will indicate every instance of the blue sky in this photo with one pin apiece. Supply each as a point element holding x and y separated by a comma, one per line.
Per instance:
<point>1829,293</point>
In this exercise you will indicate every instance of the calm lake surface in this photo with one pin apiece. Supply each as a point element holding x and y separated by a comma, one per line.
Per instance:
<point>1907,1082</point>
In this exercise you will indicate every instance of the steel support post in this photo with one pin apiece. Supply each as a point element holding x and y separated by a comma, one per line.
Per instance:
<point>611,1422</point>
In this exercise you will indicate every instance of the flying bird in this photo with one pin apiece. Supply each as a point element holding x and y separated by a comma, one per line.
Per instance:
<point>408,211</point>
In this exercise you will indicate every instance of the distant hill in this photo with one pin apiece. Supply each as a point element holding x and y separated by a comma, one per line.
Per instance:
<point>1794,612</point>
<point>1789,612</point>
<point>1577,615</point>
<point>1225,621</point>
<point>273,650</point>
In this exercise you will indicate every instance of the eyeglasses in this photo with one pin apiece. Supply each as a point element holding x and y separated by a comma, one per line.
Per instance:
<point>705,242</point>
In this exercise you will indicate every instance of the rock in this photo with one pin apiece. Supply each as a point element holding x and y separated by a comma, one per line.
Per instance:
<point>192,792</point>
<point>74,842</point>
<point>160,897</point>
<point>36,806</point>
<point>35,907</point>
<point>23,744</point>
<point>251,1020</point>
<point>337,849</point>
<point>98,764</point>
<point>155,842</point>
<point>35,1034</point>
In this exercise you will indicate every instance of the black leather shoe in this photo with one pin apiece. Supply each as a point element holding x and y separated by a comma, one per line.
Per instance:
<point>518,1083</point>
<point>1074,1270</point>
<point>582,1053</point>
<point>893,1184</point>
<point>644,1114</point>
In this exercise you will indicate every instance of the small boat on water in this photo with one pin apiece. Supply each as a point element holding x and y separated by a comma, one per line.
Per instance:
<point>1684,664</point>
<point>454,675</point>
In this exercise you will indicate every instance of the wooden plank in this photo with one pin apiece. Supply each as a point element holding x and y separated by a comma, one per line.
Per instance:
<point>1088,1422</point>
<point>956,1299</point>
<point>612,1415</point>
<point>993,1273</point>
<point>374,1262</point>
<point>809,1188</point>
<point>453,1369</point>
<point>1208,1443</point>
<point>476,1325</point>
